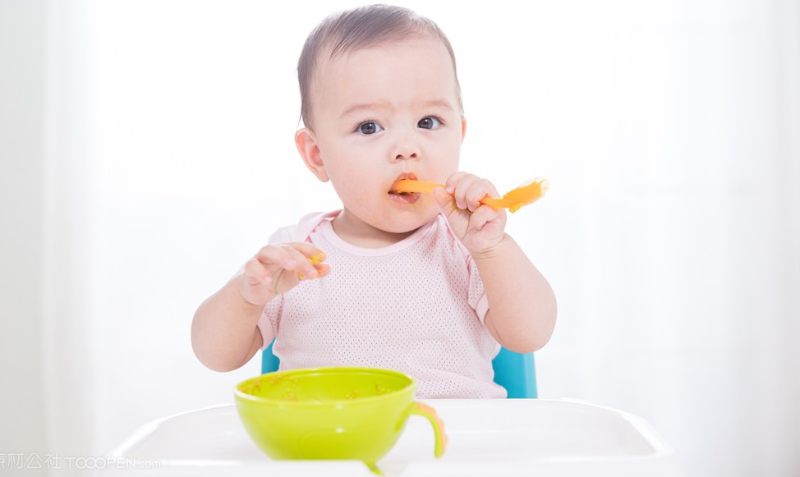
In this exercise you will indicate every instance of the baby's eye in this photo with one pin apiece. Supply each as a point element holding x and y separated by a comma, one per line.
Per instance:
<point>429,123</point>
<point>369,127</point>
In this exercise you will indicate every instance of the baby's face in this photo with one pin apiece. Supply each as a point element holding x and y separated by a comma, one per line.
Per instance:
<point>383,114</point>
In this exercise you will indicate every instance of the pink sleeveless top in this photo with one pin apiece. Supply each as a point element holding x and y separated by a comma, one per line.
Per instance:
<point>416,306</point>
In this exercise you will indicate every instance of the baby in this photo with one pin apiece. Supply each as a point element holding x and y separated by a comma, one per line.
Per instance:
<point>430,286</point>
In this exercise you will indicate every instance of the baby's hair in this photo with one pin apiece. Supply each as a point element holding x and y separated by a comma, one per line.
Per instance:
<point>361,28</point>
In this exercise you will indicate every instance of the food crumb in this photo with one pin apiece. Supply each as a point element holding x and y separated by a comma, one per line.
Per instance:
<point>352,395</point>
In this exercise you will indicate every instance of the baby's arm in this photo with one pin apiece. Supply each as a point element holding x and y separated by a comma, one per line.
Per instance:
<point>522,305</point>
<point>224,330</point>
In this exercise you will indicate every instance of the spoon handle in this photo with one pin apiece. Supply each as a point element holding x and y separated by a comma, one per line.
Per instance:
<point>525,194</point>
<point>409,185</point>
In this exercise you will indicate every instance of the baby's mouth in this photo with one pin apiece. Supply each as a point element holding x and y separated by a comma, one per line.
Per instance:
<point>403,197</point>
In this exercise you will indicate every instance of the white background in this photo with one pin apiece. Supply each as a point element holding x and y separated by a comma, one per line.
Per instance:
<point>146,151</point>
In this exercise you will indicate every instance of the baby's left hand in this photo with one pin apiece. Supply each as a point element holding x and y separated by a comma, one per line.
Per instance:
<point>479,227</point>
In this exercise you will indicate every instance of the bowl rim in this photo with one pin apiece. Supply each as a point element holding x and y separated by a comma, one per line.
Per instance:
<point>412,385</point>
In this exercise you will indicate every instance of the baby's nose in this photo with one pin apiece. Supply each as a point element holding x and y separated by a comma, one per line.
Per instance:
<point>406,148</point>
<point>400,157</point>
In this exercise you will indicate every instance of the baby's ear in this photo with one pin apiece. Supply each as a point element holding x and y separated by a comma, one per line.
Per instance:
<point>309,151</point>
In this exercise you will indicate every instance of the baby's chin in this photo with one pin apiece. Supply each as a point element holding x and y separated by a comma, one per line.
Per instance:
<point>391,224</point>
<point>405,223</point>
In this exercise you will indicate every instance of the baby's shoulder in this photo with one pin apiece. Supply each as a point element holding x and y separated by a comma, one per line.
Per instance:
<point>284,234</point>
<point>300,231</point>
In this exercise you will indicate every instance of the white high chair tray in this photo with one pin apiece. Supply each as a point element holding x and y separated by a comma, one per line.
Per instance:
<point>514,437</point>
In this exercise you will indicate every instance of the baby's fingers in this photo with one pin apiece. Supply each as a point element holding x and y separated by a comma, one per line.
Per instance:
<point>273,257</point>
<point>296,257</point>
<point>312,266</point>
<point>477,191</point>
<point>485,215</point>
<point>468,190</point>
<point>323,269</point>
<point>457,185</point>
<point>256,273</point>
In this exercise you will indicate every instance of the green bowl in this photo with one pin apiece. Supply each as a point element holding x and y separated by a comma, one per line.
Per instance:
<point>331,413</point>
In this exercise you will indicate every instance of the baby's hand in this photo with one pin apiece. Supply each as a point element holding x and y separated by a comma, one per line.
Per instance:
<point>479,227</point>
<point>278,268</point>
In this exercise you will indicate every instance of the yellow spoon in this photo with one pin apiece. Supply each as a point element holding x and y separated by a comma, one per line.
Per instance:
<point>527,193</point>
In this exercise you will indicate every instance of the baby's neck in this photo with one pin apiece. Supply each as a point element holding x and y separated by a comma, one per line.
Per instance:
<point>358,233</point>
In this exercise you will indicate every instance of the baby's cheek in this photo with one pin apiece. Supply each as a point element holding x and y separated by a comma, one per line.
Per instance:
<point>353,194</point>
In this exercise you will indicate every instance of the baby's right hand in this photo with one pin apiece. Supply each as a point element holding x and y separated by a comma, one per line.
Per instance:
<point>278,268</point>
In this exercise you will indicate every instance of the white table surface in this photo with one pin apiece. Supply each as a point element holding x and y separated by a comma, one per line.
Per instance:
<point>513,437</point>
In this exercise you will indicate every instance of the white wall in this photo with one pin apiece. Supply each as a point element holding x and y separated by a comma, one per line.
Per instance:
<point>669,131</point>
<point>22,45</point>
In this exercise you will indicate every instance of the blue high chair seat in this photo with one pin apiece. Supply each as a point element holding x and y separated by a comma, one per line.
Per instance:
<point>514,371</point>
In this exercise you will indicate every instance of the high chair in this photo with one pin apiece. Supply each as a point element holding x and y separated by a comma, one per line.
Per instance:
<point>514,371</point>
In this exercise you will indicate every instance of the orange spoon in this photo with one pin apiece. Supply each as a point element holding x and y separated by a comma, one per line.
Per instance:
<point>527,193</point>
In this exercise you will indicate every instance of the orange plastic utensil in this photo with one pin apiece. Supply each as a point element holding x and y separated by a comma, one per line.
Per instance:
<point>527,193</point>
